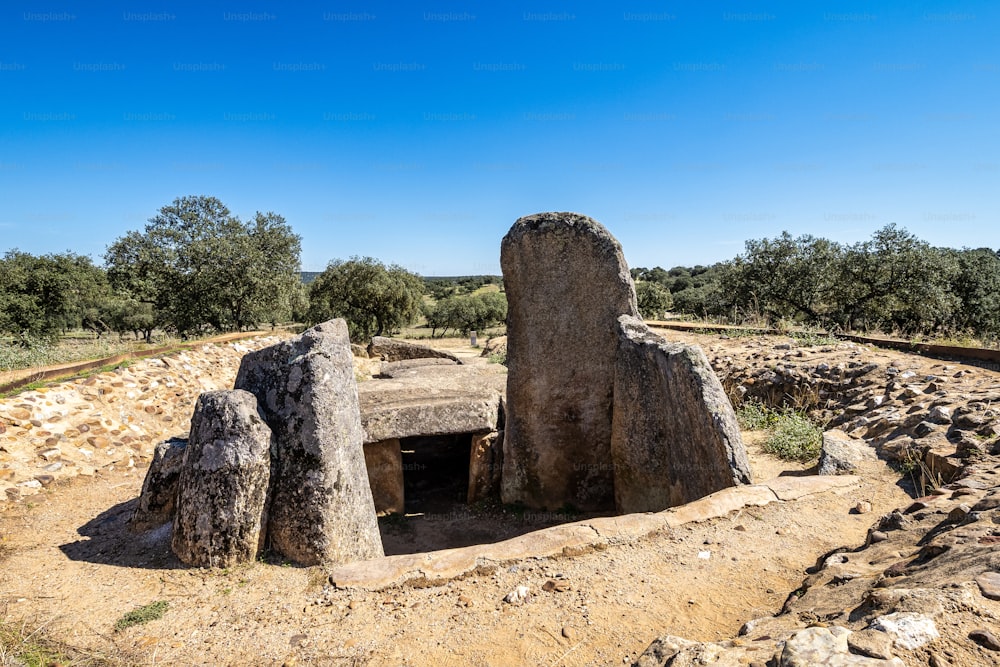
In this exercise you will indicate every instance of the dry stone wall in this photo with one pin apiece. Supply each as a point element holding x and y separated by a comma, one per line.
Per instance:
<point>108,421</point>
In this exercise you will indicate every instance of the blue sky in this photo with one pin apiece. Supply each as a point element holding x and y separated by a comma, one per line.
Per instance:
<point>418,132</point>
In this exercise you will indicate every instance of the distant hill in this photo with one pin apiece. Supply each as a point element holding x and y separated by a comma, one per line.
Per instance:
<point>309,276</point>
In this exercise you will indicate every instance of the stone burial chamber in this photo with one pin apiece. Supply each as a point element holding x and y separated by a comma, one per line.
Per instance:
<point>427,399</point>
<point>595,413</point>
<point>602,413</point>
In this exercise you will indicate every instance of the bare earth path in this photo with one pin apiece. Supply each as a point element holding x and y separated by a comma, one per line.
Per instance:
<point>69,564</point>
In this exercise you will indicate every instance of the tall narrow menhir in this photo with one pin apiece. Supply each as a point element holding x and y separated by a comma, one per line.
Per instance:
<point>567,283</point>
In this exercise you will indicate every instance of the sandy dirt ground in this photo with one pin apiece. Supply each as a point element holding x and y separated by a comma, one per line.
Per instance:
<point>70,569</point>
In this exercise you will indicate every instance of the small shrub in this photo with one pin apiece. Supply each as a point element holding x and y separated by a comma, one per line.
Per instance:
<point>794,438</point>
<point>499,357</point>
<point>811,339</point>
<point>754,416</point>
<point>141,615</point>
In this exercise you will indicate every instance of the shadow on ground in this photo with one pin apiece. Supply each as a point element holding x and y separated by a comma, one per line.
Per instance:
<point>107,540</point>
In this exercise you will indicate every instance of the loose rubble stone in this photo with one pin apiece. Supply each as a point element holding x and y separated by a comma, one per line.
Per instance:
<point>989,585</point>
<point>322,509</point>
<point>841,453</point>
<point>567,283</point>
<point>908,630</point>
<point>223,482</point>
<point>674,437</point>
<point>159,489</point>
<point>986,639</point>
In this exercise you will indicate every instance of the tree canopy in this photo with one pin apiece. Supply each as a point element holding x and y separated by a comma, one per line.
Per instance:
<point>373,298</point>
<point>43,296</point>
<point>197,267</point>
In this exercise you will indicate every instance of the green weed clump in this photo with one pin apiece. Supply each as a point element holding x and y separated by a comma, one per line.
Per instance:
<point>754,416</point>
<point>812,339</point>
<point>792,435</point>
<point>140,615</point>
<point>794,438</point>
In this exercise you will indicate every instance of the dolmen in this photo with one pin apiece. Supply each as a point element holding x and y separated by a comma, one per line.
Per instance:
<point>596,413</point>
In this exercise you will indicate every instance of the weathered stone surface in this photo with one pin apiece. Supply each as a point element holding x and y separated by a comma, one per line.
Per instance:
<point>841,453</point>
<point>322,509</point>
<point>391,349</point>
<point>989,585</point>
<point>157,500</point>
<point>671,651</point>
<point>871,643</point>
<point>826,646</point>
<point>485,465</point>
<point>430,400</point>
<point>567,283</point>
<point>222,487</point>
<point>908,630</point>
<point>384,462</point>
<point>391,369</point>
<point>674,435</point>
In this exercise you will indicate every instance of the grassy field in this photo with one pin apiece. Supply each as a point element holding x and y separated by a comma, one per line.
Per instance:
<point>78,346</point>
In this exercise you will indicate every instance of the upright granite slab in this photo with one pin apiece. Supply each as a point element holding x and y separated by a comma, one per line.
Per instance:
<point>158,498</point>
<point>322,509</point>
<point>675,437</point>
<point>567,282</point>
<point>223,482</point>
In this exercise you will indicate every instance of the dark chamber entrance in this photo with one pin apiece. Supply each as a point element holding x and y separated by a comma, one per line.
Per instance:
<point>435,473</point>
<point>437,514</point>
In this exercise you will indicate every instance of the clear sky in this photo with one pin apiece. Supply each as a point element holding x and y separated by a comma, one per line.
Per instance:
<point>417,132</point>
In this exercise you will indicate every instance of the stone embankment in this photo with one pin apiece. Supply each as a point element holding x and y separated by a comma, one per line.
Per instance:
<point>929,415</point>
<point>923,588</point>
<point>108,420</point>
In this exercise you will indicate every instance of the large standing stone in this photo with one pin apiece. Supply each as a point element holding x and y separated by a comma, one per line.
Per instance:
<point>158,497</point>
<point>322,509</point>
<point>675,437</point>
<point>566,282</point>
<point>222,488</point>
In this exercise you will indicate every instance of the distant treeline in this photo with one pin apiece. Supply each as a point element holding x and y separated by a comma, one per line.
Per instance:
<point>197,269</point>
<point>893,283</point>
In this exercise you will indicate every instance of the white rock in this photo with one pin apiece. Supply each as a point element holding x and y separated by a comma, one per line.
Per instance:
<point>517,596</point>
<point>908,630</point>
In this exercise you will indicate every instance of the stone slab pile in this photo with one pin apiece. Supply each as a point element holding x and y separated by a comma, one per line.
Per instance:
<point>280,457</point>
